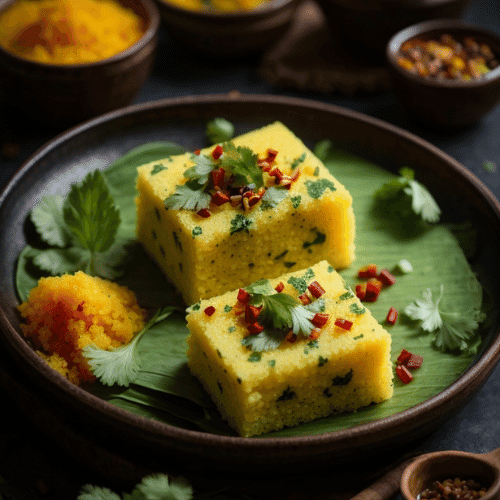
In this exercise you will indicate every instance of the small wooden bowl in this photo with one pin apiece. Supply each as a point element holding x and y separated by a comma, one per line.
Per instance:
<point>228,34</point>
<point>445,103</point>
<point>365,26</point>
<point>63,95</point>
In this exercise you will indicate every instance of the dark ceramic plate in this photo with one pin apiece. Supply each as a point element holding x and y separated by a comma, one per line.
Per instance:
<point>80,417</point>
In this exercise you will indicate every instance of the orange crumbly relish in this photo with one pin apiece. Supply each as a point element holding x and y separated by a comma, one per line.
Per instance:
<point>64,314</point>
<point>447,58</point>
<point>68,31</point>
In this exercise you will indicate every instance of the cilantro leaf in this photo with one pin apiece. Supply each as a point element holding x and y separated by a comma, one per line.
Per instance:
<point>48,219</point>
<point>242,163</point>
<point>201,169</point>
<point>219,130</point>
<point>316,188</point>
<point>189,196</point>
<point>161,487</point>
<point>277,310</point>
<point>453,330</point>
<point>297,161</point>
<point>260,287</point>
<point>301,317</point>
<point>121,365</point>
<point>267,340</point>
<point>90,213</point>
<point>404,197</point>
<point>90,492</point>
<point>240,223</point>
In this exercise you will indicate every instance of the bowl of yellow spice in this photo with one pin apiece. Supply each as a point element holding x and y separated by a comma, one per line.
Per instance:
<point>227,29</point>
<point>65,61</point>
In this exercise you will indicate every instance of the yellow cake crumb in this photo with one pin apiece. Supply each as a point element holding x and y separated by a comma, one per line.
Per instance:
<point>259,392</point>
<point>64,314</point>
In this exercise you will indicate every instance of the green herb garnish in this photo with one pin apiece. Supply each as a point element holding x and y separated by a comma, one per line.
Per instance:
<point>240,223</point>
<point>297,161</point>
<point>197,231</point>
<point>316,188</point>
<point>157,169</point>
<point>219,130</point>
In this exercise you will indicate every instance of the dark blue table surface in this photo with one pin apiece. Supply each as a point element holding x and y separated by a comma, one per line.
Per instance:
<point>26,456</point>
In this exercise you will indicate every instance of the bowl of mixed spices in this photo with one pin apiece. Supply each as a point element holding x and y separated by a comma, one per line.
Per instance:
<point>227,29</point>
<point>65,61</point>
<point>446,72</point>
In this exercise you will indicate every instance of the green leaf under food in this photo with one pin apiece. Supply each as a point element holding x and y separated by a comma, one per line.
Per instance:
<point>48,218</point>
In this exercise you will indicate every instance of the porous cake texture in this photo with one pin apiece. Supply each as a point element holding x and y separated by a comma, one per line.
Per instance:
<point>304,378</point>
<point>311,219</point>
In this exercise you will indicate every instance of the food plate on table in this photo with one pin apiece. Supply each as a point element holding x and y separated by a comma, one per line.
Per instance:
<point>364,154</point>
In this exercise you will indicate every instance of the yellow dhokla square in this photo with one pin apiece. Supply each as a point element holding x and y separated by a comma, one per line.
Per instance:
<point>300,378</point>
<point>306,216</point>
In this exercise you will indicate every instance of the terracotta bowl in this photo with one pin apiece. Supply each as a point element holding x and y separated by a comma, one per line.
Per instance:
<point>63,95</point>
<point>365,26</point>
<point>228,34</point>
<point>445,103</point>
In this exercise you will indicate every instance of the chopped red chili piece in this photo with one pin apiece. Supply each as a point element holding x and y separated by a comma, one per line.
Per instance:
<point>315,333</point>
<point>217,152</point>
<point>295,175</point>
<point>280,287</point>
<point>197,152</point>
<point>373,287</point>
<point>243,296</point>
<point>271,155</point>
<point>343,323</point>
<point>316,289</point>
<point>392,316</point>
<point>277,174</point>
<point>386,277</point>
<point>404,375</point>
<point>204,212</point>
<point>404,357</point>
<point>209,310</point>
<point>361,291</point>
<point>304,298</point>
<point>219,198</point>
<point>253,200</point>
<point>414,362</point>
<point>320,319</point>
<point>218,177</point>
<point>235,200</point>
<point>291,337</point>
<point>369,271</point>
<point>251,313</point>
<point>255,328</point>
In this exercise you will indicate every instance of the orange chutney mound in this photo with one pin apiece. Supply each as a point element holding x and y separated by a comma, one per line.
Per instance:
<point>64,314</point>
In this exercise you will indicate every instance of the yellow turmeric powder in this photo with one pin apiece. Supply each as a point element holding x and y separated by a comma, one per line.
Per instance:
<point>68,31</point>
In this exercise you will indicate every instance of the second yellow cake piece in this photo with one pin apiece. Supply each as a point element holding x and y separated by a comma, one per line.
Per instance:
<point>289,350</point>
<point>254,208</point>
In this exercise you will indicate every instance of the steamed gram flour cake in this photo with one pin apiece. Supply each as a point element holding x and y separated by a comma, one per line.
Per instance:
<point>252,208</point>
<point>266,369</point>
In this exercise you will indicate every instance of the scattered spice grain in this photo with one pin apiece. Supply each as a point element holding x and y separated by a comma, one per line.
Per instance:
<point>454,489</point>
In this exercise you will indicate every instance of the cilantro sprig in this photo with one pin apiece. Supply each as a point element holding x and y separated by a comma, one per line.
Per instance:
<point>80,231</point>
<point>280,313</point>
<point>152,487</point>
<point>454,330</point>
<point>405,197</point>
<point>121,366</point>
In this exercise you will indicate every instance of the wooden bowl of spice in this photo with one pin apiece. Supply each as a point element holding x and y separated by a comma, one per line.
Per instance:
<point>63,62</point>
<point>446,72</point>
<point>227,29</point>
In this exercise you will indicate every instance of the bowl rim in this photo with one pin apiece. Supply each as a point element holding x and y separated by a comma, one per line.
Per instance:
<point>267,7</point>
<point>149,35</point>
<point>437,25</point>
<point>147,429</point>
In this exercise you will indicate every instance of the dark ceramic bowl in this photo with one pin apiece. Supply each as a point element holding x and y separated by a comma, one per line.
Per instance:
<point>228,34</point>
<point>62,95</point>
<point>365,26</point>
<point>445,103</point>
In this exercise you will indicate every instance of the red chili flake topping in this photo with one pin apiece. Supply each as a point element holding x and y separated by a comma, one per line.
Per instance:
<point>315,333</point>
<point>304,298</point>
<point>218,177</point>
<point>251,313</point>
<point>404,357</point>
<point>414,362</point>
<point>291,337</point>
<point>253,200</point>
<point>197,152</point>
<point>219,198</point>
<point>343,323</point>
<point>386,277</point>
<point>277,174</point>
<point>280,287</point>
<point>255,328</point>
<point>320,319</point>
<point>271,155</point>
<point>209,310</point>
<point>404,375</point>
<point>204,212</point>
<point>361,291</point>
<point>373,287</point>
<point>369,271</point>
<point>316,289</point>
<point>243,296</point>
<point>295,175</point>
<point>392,316</point>
<point>217,152</point>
